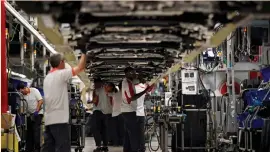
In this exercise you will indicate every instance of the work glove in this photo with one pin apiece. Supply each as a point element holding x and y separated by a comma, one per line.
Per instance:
<point>150,88</point>
<point>36,113</point>
<point>82,44</point>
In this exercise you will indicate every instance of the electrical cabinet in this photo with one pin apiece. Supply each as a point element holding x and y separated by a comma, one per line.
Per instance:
<point>189,81</point>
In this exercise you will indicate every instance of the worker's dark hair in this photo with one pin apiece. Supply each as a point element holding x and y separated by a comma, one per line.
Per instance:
<point>111,84</point>
<point>120,85</point>
<point>97,80</point>
<point>128,69</point>
<point>21,86</point>
<point>56,59</point>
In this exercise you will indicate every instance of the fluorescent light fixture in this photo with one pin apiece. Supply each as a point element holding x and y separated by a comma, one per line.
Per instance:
<point>16,74</point>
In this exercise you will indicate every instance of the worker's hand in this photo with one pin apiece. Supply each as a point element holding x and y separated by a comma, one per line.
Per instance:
<point>150,88</point>
<point>36,113</point>
<point>82,44</point>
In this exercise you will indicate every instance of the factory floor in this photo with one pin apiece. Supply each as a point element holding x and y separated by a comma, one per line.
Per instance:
<point>90,146</point>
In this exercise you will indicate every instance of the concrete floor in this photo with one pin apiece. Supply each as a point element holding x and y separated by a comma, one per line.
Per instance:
<point>90,146</point>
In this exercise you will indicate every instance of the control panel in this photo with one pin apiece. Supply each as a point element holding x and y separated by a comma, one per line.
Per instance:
<point>189,81</point>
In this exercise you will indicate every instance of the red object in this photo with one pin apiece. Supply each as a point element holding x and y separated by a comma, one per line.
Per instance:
<point>4,83</point>
<point>131,91</point>
<point>151,88</point>
<point>254,75</point>
<point>223,88</point>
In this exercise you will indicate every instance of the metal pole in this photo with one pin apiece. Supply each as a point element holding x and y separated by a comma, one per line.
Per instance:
<point>233,96</point>
<point>22,44</point>
<point>44,65</point>
<point>268,31</point>
<point>32,52</point>
<point>29,27</point>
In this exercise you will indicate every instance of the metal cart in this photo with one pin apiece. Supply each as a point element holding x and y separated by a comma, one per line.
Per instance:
<point>77,125</point>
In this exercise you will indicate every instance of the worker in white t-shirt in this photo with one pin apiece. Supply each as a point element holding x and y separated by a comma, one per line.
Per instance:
<point>34,116</point>
<point>117,120</point>
<point>141,116</point>
<point>56,101</point>
<point>102,107</point>
<point>129,108</point>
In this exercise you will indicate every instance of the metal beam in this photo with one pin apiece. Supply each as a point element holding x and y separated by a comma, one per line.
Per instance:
<point>29,27</point>
<point>21,44</point>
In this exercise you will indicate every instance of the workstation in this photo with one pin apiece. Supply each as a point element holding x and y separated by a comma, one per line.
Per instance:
<point>197,74</point>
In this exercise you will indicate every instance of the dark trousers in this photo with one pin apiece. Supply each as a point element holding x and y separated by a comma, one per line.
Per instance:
<point>99,126</point>
<point>109,128</point>
<point>141,130</point>
<point>131,140</point>
<point>57,138</point>
<point>265,139</point>
<point>33,133</point>
<point>117,130</point>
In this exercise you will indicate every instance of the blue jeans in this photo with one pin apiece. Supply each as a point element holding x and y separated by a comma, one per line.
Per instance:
<point>57,138</point>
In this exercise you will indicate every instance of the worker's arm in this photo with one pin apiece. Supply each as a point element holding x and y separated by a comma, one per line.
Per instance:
<point>39,100</point>
<point>137,96</point>
<point>80,67</point>
<point>82,45</point>
<point>129,91</point>
<point>147,89</point>
<point>67,74</point>
<point>40,103</point>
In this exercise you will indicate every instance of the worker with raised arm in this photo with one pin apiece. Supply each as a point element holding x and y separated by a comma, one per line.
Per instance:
<point>57,134</point>
<point>129,108</point>
<point>34,116</point>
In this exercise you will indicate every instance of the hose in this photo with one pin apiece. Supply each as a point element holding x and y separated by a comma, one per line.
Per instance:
<point>150,147</point>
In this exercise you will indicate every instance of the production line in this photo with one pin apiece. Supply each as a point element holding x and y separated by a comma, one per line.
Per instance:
<point>166,76</point>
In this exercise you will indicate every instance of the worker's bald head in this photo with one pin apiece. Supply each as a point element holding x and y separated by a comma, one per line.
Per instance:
<point>56,60</point>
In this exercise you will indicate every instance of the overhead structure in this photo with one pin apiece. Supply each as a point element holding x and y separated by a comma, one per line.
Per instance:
<point>30,28</point>
<point>151,37</point>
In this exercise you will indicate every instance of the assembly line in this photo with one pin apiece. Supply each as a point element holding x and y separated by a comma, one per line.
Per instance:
<point>135,76</point>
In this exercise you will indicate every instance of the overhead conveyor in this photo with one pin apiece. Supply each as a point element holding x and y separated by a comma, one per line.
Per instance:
<point>34,33</point>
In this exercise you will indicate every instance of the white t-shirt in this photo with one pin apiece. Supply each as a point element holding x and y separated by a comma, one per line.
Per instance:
<point>56,96</point>
<point>140,101</point>
<point>104,102</point>
<point>117,101</point>
<point>32,100</point>
<point>128,90</point>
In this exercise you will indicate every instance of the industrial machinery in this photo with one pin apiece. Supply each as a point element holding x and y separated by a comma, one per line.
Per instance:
<point>202,107</point>
<point>77,119</point>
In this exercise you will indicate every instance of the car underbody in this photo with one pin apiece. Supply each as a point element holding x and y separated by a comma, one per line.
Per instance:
<point>149,36</point>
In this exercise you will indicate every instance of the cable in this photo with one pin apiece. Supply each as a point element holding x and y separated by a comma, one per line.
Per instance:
<point>150,147</point>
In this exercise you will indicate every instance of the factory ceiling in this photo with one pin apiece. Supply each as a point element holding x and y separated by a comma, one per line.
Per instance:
<point>149,36</point>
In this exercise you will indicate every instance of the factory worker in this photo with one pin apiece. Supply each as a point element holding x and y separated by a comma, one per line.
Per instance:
<point>109,87</point>
<point>141,115</point>
<point>129,108</point>
<point>56,102</point>
<point>34,116</point>
<point>101,109</point>
<point>117,120</point>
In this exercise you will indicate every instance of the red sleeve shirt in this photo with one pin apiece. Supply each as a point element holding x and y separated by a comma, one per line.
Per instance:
<point>128,90</point>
